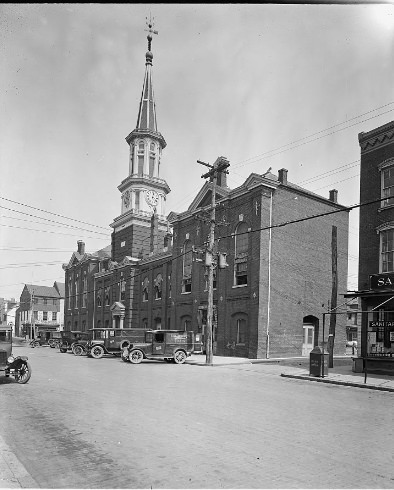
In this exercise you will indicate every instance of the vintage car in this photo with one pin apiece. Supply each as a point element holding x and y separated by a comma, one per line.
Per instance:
<point>168,345</point>
<point>70,337</point>
<point>16,366</point>
<point>46,337</point>
<point>112,340</point>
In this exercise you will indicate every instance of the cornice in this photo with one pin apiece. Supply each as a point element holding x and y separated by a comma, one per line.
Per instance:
<point>377,137</point>
<point>145,180</point>
<point>143,133</point>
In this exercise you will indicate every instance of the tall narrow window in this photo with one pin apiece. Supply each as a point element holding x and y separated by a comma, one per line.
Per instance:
<point>158,286</point>
<point>84,290</point>
<point>387,250</point>
<point>187,267</point>
<point>152,158</point>
<point>388,186</point>
<point>107,295</point>
<point>132,169</point>
<point>140,156</point>
<point>241,255</point>
<point>99,297</point>
<point>69,293</point>
<point>145,289</point>
<point>122,289</point>
<point>76,301</point>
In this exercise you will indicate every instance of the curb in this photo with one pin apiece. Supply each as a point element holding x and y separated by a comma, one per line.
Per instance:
<point>342,383</point>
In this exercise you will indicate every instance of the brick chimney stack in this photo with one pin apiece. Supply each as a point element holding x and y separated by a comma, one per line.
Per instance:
<point>282,176</point>
<point>333,195</point>
<point>81,247</point>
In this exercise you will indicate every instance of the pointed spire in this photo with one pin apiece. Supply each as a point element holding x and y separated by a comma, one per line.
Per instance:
<point>147,112</point>
<point>147,121</point>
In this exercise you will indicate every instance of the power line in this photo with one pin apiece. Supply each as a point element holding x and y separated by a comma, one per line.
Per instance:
<point>51,221</point>
<point>314,134</point>
<point>54,214</point>
<point>53,232</point>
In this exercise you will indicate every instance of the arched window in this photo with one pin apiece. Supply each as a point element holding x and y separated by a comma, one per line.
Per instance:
<point>187,267</point>
<point>152,158</point>
<point>99,297</point>
<point>76,301</point>
<point>132,169</point>
<point>84,290</point>
<point>107,296</point>
<point>145,289</point>
<point>141,157</point>
<point>241,254</point>
<point>158,286</point>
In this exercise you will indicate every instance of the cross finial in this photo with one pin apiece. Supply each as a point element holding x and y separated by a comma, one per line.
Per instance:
<point>150,23</point>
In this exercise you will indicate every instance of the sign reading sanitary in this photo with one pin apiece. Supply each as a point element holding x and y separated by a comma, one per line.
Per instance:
<point>381,281</point>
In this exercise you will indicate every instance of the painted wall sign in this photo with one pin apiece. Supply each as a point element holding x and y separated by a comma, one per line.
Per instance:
<point>381,281</point>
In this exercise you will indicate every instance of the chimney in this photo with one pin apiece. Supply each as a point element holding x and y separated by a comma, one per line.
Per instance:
<point>282,176</point>
<point>81,247</point>
<point>154,230</point>
<point>333,195</point>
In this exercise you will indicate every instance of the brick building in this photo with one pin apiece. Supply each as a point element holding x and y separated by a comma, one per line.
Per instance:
<point>41,308</point>
<point>270,298</point>
<point>376,250</point>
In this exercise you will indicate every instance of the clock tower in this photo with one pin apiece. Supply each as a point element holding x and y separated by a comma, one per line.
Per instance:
<point>143,192</point>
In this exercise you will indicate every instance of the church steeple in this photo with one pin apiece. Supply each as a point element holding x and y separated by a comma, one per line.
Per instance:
<point>143,192</point>
<point>147,119</point>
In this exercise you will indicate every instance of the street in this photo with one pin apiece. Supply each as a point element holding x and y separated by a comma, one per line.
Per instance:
<point>88,423</point>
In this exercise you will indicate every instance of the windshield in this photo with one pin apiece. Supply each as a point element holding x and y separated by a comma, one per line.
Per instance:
<point>5,336</point>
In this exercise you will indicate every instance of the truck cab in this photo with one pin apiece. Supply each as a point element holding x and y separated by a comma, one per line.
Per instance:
<point>168,345</point>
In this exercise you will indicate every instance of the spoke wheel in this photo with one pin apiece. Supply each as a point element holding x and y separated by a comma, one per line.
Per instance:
<point>97,352</point>
<point>78,350</point>
<point>136,356</point>
<point>23,373</point>
<point>180,357</point>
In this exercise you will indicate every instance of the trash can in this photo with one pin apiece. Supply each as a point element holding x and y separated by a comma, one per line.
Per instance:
<point>316,359</point>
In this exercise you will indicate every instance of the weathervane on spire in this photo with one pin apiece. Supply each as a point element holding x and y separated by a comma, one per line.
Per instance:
<point>150,23</point>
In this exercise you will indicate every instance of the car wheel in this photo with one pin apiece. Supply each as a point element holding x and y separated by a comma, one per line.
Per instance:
<point>78,350</point>
<point>136,356</point>
<point>180,357</point>
<point>23,373</point>
<point>97,352</point>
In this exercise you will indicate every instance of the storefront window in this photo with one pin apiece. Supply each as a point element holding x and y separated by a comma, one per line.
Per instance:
<point>380,337</point>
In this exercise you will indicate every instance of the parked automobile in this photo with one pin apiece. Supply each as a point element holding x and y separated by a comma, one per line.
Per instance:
<point>11,365</point>
<point>69,337</point>
<point>169,345</point>
<point>112,340</point>
<point>46,337</point>
<point>55,340</point>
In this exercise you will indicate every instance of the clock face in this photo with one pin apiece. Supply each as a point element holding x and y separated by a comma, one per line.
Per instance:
<point>152,198</point>
<point>126,199</point>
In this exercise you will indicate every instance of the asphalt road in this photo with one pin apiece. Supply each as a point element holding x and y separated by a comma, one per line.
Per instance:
<point>87,423</point>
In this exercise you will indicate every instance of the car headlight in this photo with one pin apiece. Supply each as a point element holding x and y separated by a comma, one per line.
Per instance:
<point>11,359</point>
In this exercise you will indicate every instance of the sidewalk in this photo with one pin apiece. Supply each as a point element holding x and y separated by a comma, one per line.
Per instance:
<point>298,368</point>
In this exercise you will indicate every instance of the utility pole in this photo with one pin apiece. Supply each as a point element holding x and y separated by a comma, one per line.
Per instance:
<point>219,166</point>
<point>334,291</point>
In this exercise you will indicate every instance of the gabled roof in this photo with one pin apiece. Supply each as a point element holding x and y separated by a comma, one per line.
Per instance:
<point>204,197</point>
<point>77,257</point>
<point>42,291</point>
<point>61,288</point>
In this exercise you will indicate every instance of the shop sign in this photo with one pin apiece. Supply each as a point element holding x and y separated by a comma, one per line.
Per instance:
<point>381,281</point>
<point>381,323</point>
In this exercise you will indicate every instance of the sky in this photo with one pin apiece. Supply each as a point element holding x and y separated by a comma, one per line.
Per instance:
<point>264,85</point>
